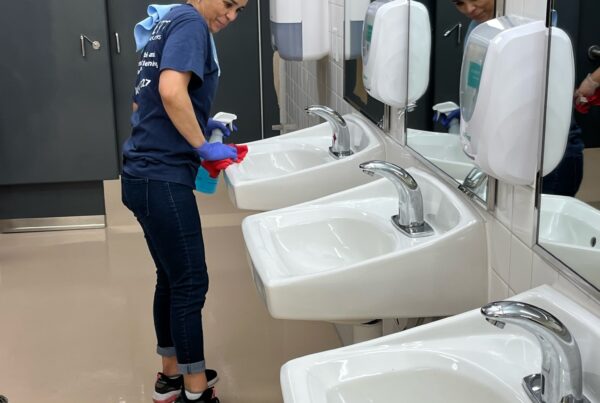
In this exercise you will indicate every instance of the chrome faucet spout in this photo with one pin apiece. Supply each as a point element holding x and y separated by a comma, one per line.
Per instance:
<point>341,142</point>
<point>410,201</point>
<point>560,380</point>
<point>474,182</point>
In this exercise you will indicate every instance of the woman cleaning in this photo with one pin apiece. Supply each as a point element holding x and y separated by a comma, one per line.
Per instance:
<point>177,80</point>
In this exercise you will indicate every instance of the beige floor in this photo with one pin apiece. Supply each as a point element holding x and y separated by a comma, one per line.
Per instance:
<point>76,321</point>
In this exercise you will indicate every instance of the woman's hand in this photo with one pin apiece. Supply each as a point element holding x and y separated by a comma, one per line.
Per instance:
<point>216,151</point>
<point>587,88</point>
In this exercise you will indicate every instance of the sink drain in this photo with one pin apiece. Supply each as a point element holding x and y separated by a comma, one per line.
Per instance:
<point>593,241</point>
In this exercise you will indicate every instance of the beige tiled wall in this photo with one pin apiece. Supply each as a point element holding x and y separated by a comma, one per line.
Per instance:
<point>513,266</point>
<point>317,82</point>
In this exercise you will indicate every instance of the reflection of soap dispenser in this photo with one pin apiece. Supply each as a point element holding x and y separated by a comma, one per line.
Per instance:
<point>204,182</point>
<point>502,97</point>
<point>448,115</point>
<point>396,51</point>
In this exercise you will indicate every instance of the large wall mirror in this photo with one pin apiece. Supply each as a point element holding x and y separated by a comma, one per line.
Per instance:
<point>433,120</point>
<point>354,90</point>
<point>569,220</point>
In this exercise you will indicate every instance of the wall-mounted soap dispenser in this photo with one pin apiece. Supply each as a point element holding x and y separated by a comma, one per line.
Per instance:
<point>559,99</point>
<point>502,96</point>
<point>300,28</point>
<point>396,51</point>
<point>353,25</point>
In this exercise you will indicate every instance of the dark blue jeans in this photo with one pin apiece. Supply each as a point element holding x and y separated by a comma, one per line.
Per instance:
<point>169,218</point>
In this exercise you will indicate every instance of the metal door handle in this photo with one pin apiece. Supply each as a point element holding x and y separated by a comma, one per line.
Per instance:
<point>118,43</point>
<point>594,52</point>
<point>83,39</point>
<point>458,28</point>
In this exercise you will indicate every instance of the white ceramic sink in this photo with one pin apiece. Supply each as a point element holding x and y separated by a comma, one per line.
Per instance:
<point>442,149</point>
<point>341,258</point>
<point>456,360</point>
<point>297,167</point>
<point>570,230</point>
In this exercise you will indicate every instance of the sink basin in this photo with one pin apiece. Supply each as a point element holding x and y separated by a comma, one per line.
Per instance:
<point>341,258</point>
<point>455,360</point>
<point>442,149</point>
<point>570,230</point>
<point>297,167</point>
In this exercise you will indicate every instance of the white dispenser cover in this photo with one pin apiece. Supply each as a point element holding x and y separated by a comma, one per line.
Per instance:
<point>559,104</point>
<point>300,28</point>
<point>502,97</point>
<point>390,61</point>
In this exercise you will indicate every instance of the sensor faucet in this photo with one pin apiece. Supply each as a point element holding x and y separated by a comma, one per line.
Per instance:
<point>474,182</point>
<point>340,145</point>
<point>410,213</point>
<point>561,379</point>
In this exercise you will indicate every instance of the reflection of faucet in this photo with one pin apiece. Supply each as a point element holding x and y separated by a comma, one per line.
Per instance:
<point>561,379</point>
<point>340,146</point>
<point>474,182</point>
<point>410,214</point>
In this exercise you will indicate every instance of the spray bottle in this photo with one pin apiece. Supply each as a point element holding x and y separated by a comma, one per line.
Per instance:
<point>204,182</point>
<point>448,114</point>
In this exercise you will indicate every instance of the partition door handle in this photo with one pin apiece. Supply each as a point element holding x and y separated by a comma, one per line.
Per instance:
<point>458,29</point>
<point>118,42</point>
<point>594,52</point>
<point>83,39</point>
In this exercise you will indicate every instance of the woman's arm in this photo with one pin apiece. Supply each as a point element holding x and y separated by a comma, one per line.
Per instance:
<point>172,87</point>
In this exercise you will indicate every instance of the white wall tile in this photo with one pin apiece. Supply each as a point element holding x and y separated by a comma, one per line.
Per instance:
<point>500,245</point>
<point>521,262</point>
<point>535,9</point>
<point>568,288</point>
<point>504,203</point>
<point>514,7</point>
<point>543,273</point>
<point>523,214</point>
<point>497,289</point>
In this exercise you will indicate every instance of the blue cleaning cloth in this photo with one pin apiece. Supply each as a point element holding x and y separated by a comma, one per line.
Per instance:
<point>143,29</point>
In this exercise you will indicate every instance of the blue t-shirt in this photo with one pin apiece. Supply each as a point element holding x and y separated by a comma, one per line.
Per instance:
<point>181,41</point>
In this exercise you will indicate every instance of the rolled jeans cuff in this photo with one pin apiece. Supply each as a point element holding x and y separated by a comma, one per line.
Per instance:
<point>166,351</point>
<point>192,368</point>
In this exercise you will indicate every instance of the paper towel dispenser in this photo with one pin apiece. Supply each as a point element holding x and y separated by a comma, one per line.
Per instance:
<point>300,28</point>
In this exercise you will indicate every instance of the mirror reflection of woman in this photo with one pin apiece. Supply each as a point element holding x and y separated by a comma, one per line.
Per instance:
<point>477,10</point>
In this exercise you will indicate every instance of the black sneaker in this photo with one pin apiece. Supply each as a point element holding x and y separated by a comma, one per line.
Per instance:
<point>208,396</point>
<point>166,389</point>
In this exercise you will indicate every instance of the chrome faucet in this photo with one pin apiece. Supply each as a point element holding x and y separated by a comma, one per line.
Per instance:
<point>341,144</point>
<point>474,182</point>
<point>561,379</point>
<point>410,204</point>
